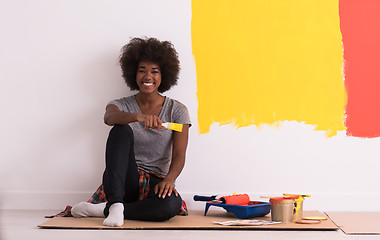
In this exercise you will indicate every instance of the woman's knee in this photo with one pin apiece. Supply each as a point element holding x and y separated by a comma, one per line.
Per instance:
<point>121,132</point>
<point>123,129</point>
<point>170,207</point>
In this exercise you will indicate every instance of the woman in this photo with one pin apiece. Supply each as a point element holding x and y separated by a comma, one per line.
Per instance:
<point>138,144</point>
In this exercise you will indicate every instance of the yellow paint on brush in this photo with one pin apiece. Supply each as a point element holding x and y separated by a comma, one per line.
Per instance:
<point>173,126</point>
<point>262,62</point>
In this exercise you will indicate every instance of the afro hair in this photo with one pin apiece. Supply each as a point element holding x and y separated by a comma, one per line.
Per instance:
<point>152,50</point>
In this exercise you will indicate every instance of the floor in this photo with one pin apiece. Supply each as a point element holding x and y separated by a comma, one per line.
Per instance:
<point>19,224</point>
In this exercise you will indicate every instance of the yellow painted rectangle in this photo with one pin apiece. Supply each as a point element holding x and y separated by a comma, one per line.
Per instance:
<point>261,62</point>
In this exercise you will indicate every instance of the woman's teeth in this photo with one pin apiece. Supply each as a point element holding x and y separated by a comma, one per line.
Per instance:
<point>148,84</point>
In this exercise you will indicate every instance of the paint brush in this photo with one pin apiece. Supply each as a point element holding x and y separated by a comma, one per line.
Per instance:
<point>173,126</point>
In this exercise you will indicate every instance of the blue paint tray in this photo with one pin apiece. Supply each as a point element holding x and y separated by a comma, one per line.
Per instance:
<point>254,209</point>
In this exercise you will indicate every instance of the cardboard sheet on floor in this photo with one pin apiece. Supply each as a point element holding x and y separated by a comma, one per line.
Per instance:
<point>357,222</point>
<point>194,221</point>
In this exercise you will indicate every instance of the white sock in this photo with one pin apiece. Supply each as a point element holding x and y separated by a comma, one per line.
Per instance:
<point>85,209</point>
<point>116,215</point>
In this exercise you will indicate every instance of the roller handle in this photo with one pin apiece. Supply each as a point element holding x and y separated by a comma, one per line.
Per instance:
<point>204,198</point>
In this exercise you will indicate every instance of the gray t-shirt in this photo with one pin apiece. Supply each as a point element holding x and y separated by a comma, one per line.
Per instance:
<point>153,149</point>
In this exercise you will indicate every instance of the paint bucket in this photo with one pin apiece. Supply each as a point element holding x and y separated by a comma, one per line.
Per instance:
<point>282,208</point>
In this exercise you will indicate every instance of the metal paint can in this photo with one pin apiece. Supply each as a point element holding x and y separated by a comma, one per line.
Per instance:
<point>282,209</point>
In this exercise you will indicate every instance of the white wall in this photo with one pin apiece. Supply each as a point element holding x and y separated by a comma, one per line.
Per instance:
<point>58,71</point>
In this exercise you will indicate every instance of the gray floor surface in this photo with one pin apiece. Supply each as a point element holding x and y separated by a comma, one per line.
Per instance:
<point>22,224</point>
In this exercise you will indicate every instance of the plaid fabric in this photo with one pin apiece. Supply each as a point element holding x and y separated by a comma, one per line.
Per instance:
<point>99,196</point>
<point>64,213</point>
<point>144,179</point>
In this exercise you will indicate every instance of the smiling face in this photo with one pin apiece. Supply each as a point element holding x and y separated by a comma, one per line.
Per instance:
<point>148,77</point>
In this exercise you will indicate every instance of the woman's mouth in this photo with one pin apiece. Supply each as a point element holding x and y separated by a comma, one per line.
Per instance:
<point>148,83</point>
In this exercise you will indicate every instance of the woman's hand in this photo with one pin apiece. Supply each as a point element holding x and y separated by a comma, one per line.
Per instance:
<point>165,188</point>
<point>150,121</point>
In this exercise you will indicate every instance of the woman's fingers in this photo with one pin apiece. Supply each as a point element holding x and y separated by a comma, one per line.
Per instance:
<point>175,192</point>
<point>158,123</point>
<point>152,121</point>
<point>165,192</point>
<point>164,189</point>
<point>156,189</point>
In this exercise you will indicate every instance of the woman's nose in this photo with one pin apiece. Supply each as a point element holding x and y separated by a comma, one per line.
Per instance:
<point>148,75</point>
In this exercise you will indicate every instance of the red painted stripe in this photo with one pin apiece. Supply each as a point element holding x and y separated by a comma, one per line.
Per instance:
<point>360,26</point>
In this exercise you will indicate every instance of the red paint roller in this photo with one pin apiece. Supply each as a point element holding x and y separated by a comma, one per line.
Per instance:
<point>236,199</point>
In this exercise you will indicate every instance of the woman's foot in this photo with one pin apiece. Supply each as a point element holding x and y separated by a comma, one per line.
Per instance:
<point>85,209</point>
<point>116,215</point>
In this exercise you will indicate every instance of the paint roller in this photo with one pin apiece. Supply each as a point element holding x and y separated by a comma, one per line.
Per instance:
<point>235,199</point>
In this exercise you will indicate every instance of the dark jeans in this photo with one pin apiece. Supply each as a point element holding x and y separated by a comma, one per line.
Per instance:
<point>121,181</point>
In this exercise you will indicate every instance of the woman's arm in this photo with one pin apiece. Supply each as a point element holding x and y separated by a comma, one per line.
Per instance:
<point>114,116</point>
<point>180,139</point>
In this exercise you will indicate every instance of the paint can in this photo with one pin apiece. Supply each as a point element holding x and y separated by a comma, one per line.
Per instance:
<point>282,208</point>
